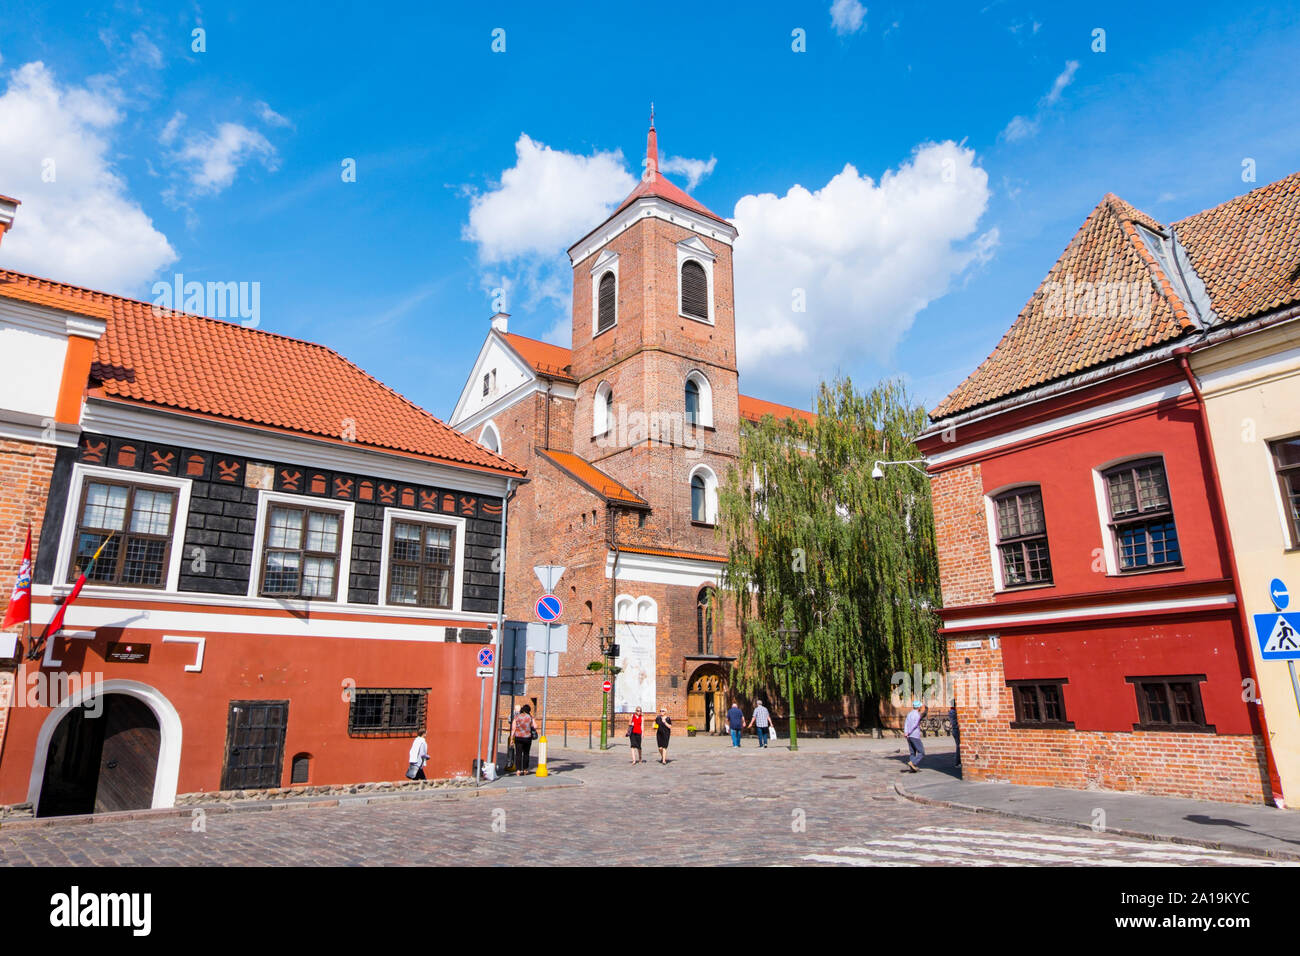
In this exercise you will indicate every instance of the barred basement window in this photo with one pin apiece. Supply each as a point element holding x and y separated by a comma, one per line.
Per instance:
<point>422,565</point>
<point>1286,460</point>
<point>301,556</point>
<point>1170,703</point>
<point>139,518</point>
<point>387,712</point>
<point>695,290</point>
<point>1022,538</point>
<point>1039,703</point>
<point>301,771</point>
<point>605,302</point>
<point>1142,517</point>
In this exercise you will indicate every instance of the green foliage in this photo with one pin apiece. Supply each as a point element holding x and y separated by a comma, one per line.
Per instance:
<point>817,545</point>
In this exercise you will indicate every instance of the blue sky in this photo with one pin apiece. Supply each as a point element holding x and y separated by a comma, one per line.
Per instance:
<point>225,164</point>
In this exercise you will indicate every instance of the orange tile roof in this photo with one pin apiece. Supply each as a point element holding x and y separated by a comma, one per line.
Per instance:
<point>545,358</point>
<point>595,479</point>
<point>41,292</point>
<point>669,553</point>
<point>1246,252</point>
<point>753,409</point>
<point>219,369</point>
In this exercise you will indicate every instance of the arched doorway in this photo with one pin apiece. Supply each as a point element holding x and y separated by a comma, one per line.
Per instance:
<point>102,757</point>
<point>706,695</point>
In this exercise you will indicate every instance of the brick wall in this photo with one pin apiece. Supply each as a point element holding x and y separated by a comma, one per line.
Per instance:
<point>962,536</point>
<point>1228,768</point>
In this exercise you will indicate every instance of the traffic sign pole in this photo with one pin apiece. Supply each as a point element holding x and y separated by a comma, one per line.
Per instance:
<point>478,741</point>
<point>548,608</point>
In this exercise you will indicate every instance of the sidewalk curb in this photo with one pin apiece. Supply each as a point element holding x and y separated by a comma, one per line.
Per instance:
<point>1289,856</point>
<point>346,800</point>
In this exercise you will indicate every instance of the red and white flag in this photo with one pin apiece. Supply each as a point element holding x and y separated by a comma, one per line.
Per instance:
<point>20,602</point>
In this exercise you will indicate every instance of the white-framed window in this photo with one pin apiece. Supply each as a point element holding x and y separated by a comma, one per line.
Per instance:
<point>1017,533</point>
<point>490,438</point>
<point>636,610</point>
<point>704,495</point>
<point>302,548</point>
<point>423,562</point>
<point>695,280</point>
<point>699,400</point>
<point>1136,513</point>
<point>604,293</point>
<point>602,409</point>
<point>145,515</point>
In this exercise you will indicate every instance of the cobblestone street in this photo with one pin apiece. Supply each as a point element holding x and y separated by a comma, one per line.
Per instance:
<point>826,805</point>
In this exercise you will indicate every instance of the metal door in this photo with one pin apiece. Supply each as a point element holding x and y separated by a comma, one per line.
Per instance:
<point>255,744</point>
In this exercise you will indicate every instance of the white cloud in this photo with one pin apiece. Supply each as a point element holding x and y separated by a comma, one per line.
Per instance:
<point>545,202</point>
<point>83,226</point>
<point>168,134</point>
<point>693,169</point>
<point>269,116</point>
<point>212,160</point>
<point>1019,128</point>
<point>847,16</point>
<point>1022,127</point>
<point>868,256</point>
<point>1063,79</point>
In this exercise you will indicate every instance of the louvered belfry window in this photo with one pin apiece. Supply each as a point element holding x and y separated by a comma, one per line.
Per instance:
<point>605,302</point>
<point>695,291</point>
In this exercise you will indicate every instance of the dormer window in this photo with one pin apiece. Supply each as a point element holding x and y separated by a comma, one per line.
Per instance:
<point>695,291</point>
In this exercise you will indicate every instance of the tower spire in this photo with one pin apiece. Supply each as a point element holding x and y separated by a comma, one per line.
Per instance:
<point>651,151</point>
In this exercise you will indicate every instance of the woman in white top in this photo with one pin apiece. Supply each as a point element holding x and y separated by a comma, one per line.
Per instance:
<point>419,754</point>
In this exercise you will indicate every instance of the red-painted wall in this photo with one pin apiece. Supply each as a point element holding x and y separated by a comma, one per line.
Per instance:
<point>308,672</point>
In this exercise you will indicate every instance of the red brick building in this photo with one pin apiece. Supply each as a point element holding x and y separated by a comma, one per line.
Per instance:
<point>1092,610</point>
<point>626,436</point>
<point>299,564</point>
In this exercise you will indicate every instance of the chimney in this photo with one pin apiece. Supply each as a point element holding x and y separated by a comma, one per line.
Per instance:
<point>8,209</point>
<point>500,321</point>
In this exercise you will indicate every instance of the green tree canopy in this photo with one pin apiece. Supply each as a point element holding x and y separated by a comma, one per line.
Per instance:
<point>817,545</point>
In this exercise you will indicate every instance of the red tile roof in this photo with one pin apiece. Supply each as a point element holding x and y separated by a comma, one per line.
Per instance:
<point>753,409</point>
<point>595,479</point>
<point>654,184</point>
<point>546,359</point>
<point>218,369</point>
<point>669,553</point>
<point>1246,252</point>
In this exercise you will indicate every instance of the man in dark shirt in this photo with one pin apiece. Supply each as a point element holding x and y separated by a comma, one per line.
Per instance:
<point>736,721</point>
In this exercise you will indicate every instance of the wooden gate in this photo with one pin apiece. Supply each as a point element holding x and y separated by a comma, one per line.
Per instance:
<point>705,695</point>
<point>104,760</point>
<point>255,744</point>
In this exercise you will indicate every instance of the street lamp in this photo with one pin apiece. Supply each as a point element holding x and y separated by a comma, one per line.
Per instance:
<point>608,651</point>
<point>788,634</point>
<point>877,472</point>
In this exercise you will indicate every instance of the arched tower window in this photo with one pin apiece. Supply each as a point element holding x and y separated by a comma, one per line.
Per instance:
<point>602,409</point>
<point>692,403</point>
<point>704,495</point>
<point>699,400</point>
<point>695,290</point>
<point>605,298</point>
<point>704,621</point>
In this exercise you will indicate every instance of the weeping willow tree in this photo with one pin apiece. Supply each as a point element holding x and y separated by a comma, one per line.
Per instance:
<point>817,546</point>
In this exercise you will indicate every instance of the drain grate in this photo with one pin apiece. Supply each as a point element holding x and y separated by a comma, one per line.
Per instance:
<point>839,776</point>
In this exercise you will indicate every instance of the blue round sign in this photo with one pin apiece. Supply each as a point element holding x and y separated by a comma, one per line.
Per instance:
<point>485,657</point>
<point>1280,595</point>
<point>549,608</point>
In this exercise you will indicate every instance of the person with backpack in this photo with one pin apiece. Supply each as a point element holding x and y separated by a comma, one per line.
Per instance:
<point>524,732</point>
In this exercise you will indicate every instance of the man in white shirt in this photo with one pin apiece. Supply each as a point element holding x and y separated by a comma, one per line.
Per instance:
<point>912,731</point>
<point>419,754</point>
<point>762,721</point>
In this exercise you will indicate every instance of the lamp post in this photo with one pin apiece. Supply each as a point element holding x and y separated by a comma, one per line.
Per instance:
<point>608,651</point>
<point>788,635</point>
<point>877,472</point>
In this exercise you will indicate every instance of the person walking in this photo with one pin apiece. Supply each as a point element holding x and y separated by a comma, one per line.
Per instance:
<point>418,756</point>
<point>634,735</point>
<point>761,722</point>
<point>956,732</point>
<point>912,731</point>
<point>663,730</point>
<point>736,721</point>
<point>524,731</point>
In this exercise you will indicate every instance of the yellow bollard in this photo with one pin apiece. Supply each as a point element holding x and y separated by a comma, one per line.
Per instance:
<point>541,756</point>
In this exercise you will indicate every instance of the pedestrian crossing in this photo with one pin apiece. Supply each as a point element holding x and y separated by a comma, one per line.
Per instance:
<point>958,846</point>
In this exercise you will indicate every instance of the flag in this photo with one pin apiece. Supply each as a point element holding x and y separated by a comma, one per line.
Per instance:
<point>20,602</point>
<point>56,622</point>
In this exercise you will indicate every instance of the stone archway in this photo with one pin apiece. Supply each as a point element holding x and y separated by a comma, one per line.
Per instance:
<point>706,699</point>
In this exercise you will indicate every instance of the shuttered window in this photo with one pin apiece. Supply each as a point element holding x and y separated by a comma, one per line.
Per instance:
<point>695,291</point>
<point>605,302</point>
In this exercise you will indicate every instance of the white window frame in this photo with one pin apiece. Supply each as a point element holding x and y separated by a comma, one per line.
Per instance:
<point>606,262</point>
<point>1104,517</point>
<point>600,409</point>
<point>695,249</point>
<point>454,522</point>
<point>641,609</point>
<point>705,417</point>
<point>71,515</point>
<point>346,508</point>
<point>710,493</point>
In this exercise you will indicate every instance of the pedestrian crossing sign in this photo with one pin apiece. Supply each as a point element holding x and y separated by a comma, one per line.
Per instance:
<point>1279,636</point>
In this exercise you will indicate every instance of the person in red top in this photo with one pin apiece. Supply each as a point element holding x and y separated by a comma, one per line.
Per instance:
<point>634,735</point>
